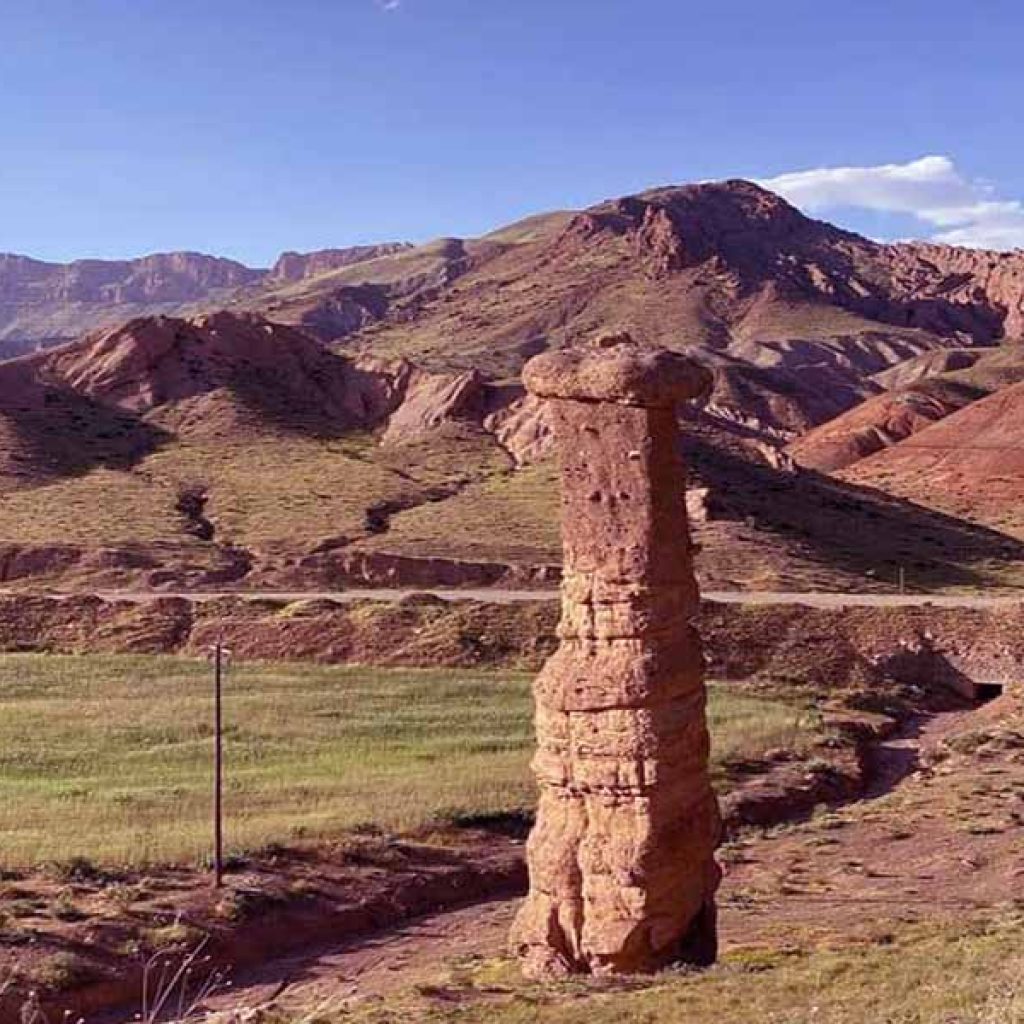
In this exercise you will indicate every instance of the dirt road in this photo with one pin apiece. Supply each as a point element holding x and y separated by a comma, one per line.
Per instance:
<point>504,596</point>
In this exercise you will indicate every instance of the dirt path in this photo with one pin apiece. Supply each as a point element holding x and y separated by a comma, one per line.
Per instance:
<point>938,834</point>
<point>395,960</point>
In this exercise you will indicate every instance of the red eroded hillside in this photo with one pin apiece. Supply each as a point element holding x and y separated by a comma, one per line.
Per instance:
<point>796,316</point>
<point>878,423</point>
<point>970,464</point>
<point>374,413</point>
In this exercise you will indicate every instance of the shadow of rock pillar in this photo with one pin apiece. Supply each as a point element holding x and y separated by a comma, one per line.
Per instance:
<point>622,870</point>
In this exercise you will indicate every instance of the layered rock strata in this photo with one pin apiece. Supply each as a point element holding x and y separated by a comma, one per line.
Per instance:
<point>622,873</point>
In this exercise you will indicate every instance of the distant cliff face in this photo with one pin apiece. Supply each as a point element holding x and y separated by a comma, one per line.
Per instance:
<point>165,277</point>
<point>46,303</point>
<point>965,276</point>
<point>299,266</point>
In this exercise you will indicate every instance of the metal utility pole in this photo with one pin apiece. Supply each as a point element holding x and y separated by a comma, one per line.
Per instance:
<point>219,652</point>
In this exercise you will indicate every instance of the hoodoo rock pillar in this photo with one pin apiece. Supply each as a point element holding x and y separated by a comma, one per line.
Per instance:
<point>621,859</point>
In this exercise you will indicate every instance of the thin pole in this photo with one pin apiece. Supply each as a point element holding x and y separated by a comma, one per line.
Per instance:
<point>218,770</point>
<point>903,580</point>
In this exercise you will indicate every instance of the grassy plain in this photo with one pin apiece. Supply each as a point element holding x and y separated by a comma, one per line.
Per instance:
<point>108,757</point>
<point>272,487</point>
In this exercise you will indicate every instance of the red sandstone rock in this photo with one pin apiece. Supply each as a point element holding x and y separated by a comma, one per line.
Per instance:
<point>622,875</point>
<point>970,464</point>
<point>156,361</point>
<point>431,400</point>
<point>298,266</point>
<point>521,428</point>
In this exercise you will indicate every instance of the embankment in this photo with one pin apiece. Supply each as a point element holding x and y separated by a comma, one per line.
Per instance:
<point>819,648</point>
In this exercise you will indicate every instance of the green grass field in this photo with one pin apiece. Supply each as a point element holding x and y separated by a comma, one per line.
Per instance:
<point>274,487</point>
<point>108,757</point>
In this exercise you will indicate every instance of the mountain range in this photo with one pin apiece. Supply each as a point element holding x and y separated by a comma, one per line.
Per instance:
<point>44,304</point>
<point>355,414</point>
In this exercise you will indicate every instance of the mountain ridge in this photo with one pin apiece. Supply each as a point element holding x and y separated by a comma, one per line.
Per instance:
<point>355,406</point>
<point>758,255</point>
<point>43,303</point>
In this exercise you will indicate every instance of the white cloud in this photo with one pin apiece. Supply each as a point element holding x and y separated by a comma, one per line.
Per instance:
<point>954,208</point>
<point>388,5</point>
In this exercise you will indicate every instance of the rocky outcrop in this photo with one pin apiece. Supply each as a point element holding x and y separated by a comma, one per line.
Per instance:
<point>522,427</point>
<point>276,372</point>
<point>354,568</point>
<point>298,266</point>
<point>622,873</point>
<point>431,400</point>
<point>980,282</point>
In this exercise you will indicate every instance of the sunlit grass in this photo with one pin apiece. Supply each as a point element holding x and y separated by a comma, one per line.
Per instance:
<point>108,757</point>
<point>507,516</point>
<point>946,972</point>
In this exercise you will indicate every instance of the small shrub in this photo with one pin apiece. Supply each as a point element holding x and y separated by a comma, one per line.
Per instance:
<point>64,971</point>
<point>172,936</point>
<point>77,869</point>
<point>242,904</point>
<point>64,907</point>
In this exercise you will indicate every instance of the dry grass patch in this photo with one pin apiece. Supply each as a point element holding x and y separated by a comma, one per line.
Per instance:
<point>271,487</point>
<point>951,972</point>
<point>506,517</point>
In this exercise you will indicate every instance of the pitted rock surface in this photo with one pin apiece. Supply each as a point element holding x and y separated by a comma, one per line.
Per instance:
<point>616,369</point>
<point>622,872</point>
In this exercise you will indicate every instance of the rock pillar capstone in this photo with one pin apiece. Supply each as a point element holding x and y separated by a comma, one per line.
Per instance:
<point>621,859</point>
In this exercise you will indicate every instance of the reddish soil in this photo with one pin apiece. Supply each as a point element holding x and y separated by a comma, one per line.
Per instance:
<point>945,840</point>
<point>82,938</point>
<point>937,842</point>
<point>968,464</point>
<point>828,649</point>
<point>877,424</point>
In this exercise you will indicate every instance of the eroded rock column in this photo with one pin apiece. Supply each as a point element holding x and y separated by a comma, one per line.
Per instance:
<point>621,859</point>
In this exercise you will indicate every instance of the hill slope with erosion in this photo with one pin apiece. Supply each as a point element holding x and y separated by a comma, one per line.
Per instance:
<point>947,439</point>
<point>879,423</point>
<point>970,464</point>
<point>226,450</point>
<point>355,415</point>
<point>920,392</point>
<point>797,316</point>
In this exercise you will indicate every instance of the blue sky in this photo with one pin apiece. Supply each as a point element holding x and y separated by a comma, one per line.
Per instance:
<point>244,127</point>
